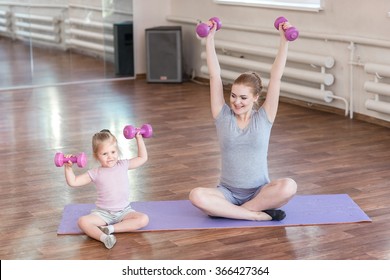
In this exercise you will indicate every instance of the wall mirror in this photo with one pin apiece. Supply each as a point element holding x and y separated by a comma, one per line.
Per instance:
<point>46,42</point>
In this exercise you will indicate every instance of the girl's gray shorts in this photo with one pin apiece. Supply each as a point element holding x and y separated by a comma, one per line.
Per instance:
<point>238,196</point>
<point>112,217</point>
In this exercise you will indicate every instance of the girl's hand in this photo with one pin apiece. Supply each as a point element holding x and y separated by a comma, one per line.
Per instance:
<point>282,27</point>
<point>68,163</point>
<point>286,25</point>
<point>213,29</point>
<point>138,136</point>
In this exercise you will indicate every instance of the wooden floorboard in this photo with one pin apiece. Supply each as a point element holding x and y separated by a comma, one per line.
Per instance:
<point>325,153</point>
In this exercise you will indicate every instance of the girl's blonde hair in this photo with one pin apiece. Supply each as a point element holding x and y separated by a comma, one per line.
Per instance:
<point>100,137</point>
<point>251,80</point>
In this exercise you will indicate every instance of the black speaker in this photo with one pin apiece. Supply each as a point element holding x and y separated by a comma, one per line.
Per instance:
<point>164,54</point>
<point>124,48</point>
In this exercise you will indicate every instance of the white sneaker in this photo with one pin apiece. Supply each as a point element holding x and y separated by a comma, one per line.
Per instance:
<point>110,241</point>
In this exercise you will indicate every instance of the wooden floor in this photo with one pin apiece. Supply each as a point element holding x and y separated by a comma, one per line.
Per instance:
<point>23,64</point>
<point>325,153</point>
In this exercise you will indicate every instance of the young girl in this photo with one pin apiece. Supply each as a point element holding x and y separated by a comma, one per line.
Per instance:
<point>113,211</point>
<point>245,190</point>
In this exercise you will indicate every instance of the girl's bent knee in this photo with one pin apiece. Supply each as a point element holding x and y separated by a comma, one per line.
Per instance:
<point>82,222</point>
<point>290,186</point>
<point>144,221</point>
<point>196,196</point>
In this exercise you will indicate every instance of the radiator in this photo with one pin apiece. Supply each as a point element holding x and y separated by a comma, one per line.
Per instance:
<point>231,56</point>
<point>39,27</point>
<point>5,21</point>
<point>88,35</point>
<point>378,88</point>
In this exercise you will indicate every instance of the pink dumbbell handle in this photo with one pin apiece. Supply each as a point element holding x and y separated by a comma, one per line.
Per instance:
<point>203,29</point>
<point>290,33</point>
<point>80,159</point>
<point>130,131</point>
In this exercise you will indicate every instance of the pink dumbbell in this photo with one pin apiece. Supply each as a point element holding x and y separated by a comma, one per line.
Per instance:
<point>130,131</point>
<point>203,28</point>
<point>80,159</point>
<point>290,33</point>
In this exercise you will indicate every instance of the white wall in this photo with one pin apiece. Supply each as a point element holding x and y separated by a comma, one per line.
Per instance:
<point>345,20</point>
<point>146,14</point>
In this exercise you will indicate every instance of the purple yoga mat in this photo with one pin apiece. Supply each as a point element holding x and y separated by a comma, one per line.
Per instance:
<point>182,215</point>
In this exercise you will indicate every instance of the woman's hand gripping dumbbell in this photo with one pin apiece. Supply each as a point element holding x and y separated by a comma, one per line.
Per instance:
<point>203,28</point>
<point>130,131</point>
<point>290,32</point>
<point>80,159</point>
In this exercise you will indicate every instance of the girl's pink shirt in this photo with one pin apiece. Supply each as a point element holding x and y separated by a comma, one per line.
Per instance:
<point>112,186</point>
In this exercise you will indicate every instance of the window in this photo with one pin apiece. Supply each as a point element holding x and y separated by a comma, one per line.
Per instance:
<point>309,5</point>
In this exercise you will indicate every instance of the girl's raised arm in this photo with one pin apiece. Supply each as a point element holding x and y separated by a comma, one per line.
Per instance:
<point>142,153</point>
<point>75,181</point>
<point>273,92</point>
<point>216,87</point>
